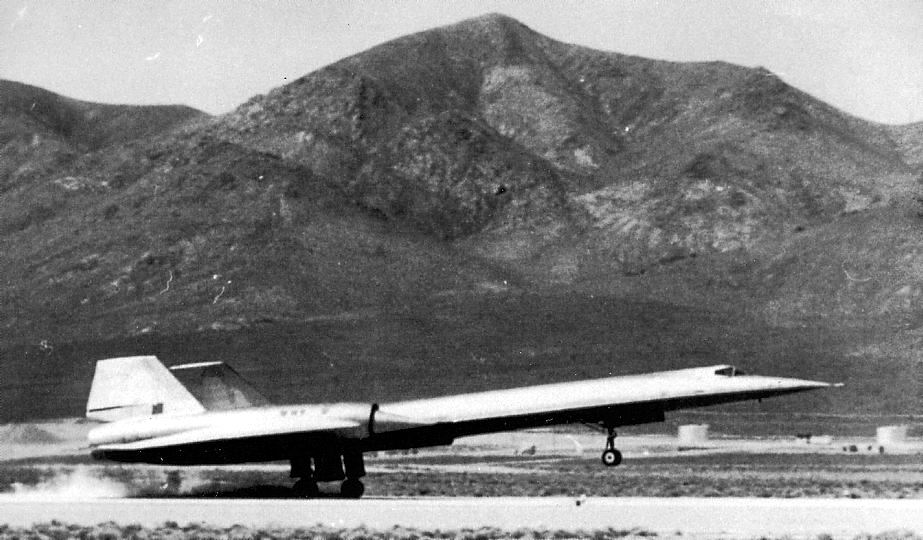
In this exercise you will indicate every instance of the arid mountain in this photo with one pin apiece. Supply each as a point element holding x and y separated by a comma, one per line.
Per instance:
<point>573,164</point>
<point>476,163</point>
<point>42,133</point>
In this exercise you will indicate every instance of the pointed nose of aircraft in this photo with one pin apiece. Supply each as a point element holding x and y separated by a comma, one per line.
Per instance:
<point>805,384</point>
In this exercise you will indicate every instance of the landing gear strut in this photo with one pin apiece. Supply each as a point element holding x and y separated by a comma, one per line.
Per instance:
<point>611,457</point>
<point>354,465</point>
<point>306,485</point>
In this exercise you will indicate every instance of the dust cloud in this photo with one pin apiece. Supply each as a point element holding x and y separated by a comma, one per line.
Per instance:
<point>77,483</point>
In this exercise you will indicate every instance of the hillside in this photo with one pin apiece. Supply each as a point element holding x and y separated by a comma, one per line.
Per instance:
<point>42,133</point>
<point>440,196</point>
<point>909,140</point>
<point>85,125</point>
<point>640,160</point>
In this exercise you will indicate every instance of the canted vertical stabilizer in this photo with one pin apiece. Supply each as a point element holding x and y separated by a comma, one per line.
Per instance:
<point>217,386</point>
<point>137,386</point>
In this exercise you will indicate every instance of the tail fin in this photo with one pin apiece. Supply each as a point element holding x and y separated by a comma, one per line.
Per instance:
<point>137,386</point>
<point>217,386</point>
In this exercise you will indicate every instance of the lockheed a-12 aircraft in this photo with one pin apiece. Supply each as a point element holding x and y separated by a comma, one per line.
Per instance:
<point>206,414</point>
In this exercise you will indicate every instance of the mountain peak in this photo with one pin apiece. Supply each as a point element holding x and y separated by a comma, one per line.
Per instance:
<point>493,21</point>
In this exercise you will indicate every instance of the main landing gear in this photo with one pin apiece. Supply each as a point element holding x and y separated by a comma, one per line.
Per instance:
<point>306,488</point>
<point>611,457</point>
<point>351,488</point>
<point>348,467</point>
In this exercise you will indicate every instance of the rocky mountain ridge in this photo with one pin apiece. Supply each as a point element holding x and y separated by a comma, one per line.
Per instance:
<point>468,163</point>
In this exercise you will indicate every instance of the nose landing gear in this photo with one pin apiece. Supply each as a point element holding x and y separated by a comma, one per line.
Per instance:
<point>611,457</point>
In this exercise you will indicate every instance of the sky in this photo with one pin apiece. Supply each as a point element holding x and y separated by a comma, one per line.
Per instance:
<point>864,57</point>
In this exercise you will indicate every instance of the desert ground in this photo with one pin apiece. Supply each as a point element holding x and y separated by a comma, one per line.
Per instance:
<point>465,517</point>
<point>50,457</point>
<point>773,487</point>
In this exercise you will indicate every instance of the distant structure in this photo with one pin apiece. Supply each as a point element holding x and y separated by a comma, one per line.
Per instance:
<point>693,434</point>
<point>891,435</point>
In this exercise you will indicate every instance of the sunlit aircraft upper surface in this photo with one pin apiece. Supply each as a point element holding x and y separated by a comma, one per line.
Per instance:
<point>207,414</point>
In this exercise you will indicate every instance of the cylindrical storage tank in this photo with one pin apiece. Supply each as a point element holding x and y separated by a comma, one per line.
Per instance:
<point>891,435</point>
<point>691,434</point>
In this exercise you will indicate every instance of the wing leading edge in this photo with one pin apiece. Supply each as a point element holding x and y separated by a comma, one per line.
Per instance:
<point>616,401</point>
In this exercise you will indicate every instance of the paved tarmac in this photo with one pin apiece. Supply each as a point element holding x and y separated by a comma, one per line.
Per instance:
<point>696,516</point>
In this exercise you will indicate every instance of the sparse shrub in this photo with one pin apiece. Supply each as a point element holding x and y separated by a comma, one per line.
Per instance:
<point>106,531</point>
<point>737,199</point>
<point>35,214</point>
<point>111,211</point>
<point>226,180</point>
<point>702,167</point>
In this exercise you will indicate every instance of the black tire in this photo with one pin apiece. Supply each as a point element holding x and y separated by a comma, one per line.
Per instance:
<point>611,458</point>
<point>351,488</point>
<point>306,489</point>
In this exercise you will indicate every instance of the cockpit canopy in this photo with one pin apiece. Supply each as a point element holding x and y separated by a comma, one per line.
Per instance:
<point>729,371</point>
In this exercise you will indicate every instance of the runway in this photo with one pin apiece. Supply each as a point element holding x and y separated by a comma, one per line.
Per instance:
<point>701,516</point>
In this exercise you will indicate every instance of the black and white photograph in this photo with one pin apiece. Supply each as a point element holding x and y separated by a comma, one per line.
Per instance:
<point>484,269</point>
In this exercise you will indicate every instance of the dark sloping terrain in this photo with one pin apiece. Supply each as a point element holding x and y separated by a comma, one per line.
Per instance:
<point>909,139</point>
<point>639,162</point>
<point>42,133</point>
<point>444,198</point>
<point>85,125</point>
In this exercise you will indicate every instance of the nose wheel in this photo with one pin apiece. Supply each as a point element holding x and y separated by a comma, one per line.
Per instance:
<point>611,457</point>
